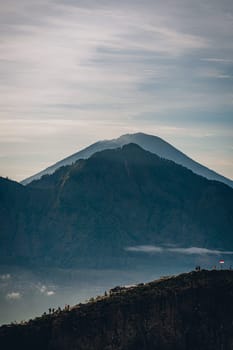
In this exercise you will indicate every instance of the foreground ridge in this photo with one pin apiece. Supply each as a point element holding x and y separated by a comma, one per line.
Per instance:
<point>190,311</point>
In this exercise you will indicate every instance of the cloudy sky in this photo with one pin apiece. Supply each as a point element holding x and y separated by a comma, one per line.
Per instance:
<point>76,71</point>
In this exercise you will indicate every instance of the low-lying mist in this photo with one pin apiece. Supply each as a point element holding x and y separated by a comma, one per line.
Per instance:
<point>26,293</point>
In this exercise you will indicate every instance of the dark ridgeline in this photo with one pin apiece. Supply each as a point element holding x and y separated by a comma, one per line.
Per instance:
<point>86,214</point>
<point>151,143</point>
<point>188,312</point>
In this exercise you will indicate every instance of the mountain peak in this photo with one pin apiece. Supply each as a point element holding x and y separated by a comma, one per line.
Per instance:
<point>97,208</point>
<point>153,144</point>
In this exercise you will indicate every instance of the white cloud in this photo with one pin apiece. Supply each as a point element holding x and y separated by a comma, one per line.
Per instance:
<point>189,251</point>
<point>50,292</point>
<point>45,290</point>
<point>14,296</point>
<point>199,251</point>
<point>145,249</point>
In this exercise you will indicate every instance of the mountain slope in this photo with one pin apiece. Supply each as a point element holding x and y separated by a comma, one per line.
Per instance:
<point>88,214</point>
<point>150,143</point>
<point>188,312</point>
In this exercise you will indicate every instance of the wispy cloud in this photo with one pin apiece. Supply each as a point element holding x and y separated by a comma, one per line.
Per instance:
<point>14,296</point>
<point>111,63</point>
<point>177,250</point>
<point>50,292</point>
<point>218,60</point>
<point>45,290</point>
<point>199,251</point>
<point>145,249</point>
<point>216,74</point>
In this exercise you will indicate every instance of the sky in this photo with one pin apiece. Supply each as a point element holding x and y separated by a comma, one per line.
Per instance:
<point>73,72</point>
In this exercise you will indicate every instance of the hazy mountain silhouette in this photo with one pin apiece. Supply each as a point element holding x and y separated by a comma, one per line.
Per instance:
<point>150,143</point>
<point>88,213</point>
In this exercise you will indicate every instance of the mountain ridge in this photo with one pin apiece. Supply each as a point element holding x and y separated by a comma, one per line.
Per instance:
<point>150,143</point>
<point>86,214</point>
<point>186,312</point>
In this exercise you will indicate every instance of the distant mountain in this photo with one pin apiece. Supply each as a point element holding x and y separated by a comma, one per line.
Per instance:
<point>150,143</point>
<point>89,213</point>
<point>187,312</point>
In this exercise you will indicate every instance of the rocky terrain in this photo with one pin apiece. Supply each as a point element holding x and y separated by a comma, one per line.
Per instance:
<point>187,312</point>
